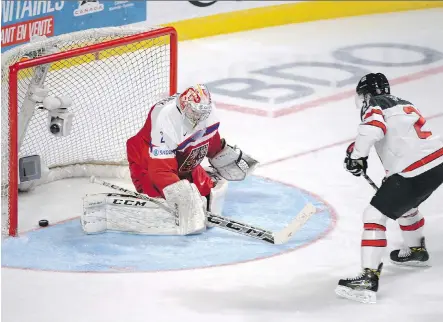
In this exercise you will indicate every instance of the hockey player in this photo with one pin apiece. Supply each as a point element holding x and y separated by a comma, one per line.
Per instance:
<point>413,159</point>
<point>164,162</point>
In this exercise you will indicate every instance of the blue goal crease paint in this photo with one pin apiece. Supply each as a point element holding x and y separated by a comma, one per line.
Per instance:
<point>256,200</point>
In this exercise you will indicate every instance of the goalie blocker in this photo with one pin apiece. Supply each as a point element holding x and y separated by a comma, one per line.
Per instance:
<point>119,212</point>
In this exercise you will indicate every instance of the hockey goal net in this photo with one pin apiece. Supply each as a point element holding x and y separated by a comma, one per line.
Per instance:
<point>111,75</point>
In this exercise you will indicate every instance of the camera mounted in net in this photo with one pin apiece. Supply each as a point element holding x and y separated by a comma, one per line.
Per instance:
<point>59,118</point>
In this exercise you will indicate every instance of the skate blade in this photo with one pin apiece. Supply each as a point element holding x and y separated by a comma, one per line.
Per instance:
<point>412,263</point>
<point>367,297</point>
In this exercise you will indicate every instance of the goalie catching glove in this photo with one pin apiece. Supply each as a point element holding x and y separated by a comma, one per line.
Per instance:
<point>232,164</point>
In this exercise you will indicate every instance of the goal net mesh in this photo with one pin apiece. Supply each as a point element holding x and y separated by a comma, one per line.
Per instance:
<point>111,91</point>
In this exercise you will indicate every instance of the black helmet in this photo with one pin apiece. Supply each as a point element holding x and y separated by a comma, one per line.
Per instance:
<point>383,83</point>
<point>374,84</point>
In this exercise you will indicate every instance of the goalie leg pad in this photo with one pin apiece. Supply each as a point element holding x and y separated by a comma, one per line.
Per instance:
<point>116,212</point>
<point>232,164</point>
<point>185,198</point>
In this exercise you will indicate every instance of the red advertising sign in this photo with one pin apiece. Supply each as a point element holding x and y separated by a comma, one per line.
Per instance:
<point>23,31</point>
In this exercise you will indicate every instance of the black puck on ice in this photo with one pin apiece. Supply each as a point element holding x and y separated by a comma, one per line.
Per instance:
<point>43,223</point>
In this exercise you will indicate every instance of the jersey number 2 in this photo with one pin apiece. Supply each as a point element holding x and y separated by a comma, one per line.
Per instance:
<point>419,124</point>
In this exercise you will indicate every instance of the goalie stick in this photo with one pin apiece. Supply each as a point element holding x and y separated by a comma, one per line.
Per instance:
<point>229,224</point>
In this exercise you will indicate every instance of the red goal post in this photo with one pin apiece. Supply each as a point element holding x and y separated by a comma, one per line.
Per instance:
<point>112,76</point>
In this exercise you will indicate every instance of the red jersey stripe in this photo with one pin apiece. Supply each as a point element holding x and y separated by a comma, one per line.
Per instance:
<point>429,158</point>
<point>377,124</point>
<point>413,227</point>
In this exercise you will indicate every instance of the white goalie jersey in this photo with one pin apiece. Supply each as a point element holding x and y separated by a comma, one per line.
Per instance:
<point>402,138</point>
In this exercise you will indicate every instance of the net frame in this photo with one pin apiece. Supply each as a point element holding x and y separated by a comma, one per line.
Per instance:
<point>129,36</point>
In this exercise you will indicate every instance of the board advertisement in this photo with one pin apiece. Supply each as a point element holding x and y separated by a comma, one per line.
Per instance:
<point>21,20</point>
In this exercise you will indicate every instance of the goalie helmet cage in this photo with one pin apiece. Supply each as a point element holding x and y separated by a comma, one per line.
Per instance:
<point>112,75</point>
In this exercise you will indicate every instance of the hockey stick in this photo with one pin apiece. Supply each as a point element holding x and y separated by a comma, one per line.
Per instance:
<point>349,151</point>
<point>369,180</point>
<point>229,224</point>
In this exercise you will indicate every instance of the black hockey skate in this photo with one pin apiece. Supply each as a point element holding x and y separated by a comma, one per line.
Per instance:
<point>413,256</point>
<point>362,288</point>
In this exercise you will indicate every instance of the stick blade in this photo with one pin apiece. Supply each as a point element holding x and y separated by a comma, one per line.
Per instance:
<point>286,233</point>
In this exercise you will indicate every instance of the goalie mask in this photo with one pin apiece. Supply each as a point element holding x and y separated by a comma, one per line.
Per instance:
<point>195,104</point>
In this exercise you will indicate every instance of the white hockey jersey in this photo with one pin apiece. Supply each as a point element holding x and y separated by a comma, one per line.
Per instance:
<point>169,131</point>
<point>167,149</point>
<point>401,136</point>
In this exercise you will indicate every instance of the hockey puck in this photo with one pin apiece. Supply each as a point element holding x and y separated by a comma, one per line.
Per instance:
<point>43,223</point>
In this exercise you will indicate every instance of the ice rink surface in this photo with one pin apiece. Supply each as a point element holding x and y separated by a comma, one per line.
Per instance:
<point>298,126</point>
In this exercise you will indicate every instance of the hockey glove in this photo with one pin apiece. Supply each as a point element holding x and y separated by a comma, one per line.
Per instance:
<point>355,166</point>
